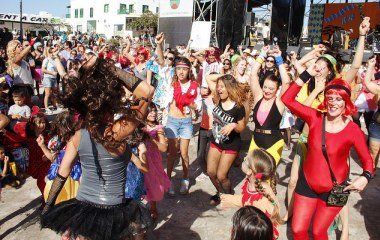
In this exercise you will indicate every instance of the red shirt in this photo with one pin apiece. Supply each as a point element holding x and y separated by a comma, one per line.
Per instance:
<point>338,146</point>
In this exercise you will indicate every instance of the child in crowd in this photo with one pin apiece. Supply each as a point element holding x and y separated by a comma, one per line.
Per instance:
<point>64,126</point>
<point>259,188</point>
<point>156,181</point>
<point>19,111</point>
<point>134,186</point>
<point>250,223</point>
<point>3,167</point>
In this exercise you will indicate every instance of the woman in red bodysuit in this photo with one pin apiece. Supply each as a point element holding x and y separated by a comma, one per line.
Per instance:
<point>315,182</point>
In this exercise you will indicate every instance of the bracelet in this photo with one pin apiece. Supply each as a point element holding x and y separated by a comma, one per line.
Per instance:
<point>260,59</point>
<point>362,35</point>
<point>367,175</point>
<point>279,60</point>
<point>305,76</point>
<point>263,53</point>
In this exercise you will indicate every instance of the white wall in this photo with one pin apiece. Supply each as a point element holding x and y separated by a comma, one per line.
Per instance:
<point>105,22</point>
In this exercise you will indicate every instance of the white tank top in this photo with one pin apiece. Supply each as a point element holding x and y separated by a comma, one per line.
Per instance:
<point>22,74</point>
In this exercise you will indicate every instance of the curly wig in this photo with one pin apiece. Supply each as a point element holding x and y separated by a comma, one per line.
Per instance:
<point>98,95</point>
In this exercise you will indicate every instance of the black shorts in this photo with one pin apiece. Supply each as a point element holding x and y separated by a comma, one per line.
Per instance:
<point>304,189</point>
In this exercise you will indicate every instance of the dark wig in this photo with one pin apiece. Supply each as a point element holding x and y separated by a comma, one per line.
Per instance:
<point>65,125</point>
<point>97,95</point>
<point>251,223</point>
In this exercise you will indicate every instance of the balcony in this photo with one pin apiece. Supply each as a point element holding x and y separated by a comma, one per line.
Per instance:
<point>68,15</point>
<point>122,11</point>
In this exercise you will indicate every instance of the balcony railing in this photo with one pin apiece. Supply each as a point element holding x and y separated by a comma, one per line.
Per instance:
<point>122,11</point>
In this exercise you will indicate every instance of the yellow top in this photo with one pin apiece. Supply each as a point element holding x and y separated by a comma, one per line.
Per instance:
<point>303,94</point>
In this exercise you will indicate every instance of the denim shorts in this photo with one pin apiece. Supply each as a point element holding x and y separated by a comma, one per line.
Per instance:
<point>49,82</point>
<point>179,128</point>
<point>374,131</point>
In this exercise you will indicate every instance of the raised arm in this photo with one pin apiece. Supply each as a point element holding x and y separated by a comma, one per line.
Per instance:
<point>198,56</point>
<point>22,54</point>
<point>160,54</point>
<point>225,53</point>
<point>358,58</point>
<point>254,78</point>
<point>371,86</point>
<point>285,79</point>
<point>289,97</point>
<point>211,82</point>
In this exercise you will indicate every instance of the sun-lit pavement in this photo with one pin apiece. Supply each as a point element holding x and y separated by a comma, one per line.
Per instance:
<point>191,217</point>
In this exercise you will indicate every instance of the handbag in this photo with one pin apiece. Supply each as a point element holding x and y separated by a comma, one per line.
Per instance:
<point>337,197</point>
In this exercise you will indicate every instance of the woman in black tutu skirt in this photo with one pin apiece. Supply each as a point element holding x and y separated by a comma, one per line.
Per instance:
<point>100,210</point>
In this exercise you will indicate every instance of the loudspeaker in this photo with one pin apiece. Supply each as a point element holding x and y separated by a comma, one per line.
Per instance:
<point>230,23</point>
<point>249,19</point>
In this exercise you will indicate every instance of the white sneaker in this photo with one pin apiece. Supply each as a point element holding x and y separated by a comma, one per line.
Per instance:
<point>59,110</point>
<point>184,186</point>
<point>171,191</point>
<point>48,111</point>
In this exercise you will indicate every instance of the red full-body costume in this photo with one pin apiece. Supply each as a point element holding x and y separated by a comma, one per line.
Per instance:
<point>315,179</point>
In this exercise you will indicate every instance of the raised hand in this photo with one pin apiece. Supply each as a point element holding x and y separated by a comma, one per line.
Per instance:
<point>364,26</point>
<point>320,84</point>
<point>40,140</point>
<point>312,70</point>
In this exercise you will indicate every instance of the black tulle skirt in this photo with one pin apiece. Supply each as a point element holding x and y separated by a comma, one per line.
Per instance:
<point>97,222</point>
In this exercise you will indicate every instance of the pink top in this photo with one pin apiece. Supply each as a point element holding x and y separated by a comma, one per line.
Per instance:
<point>262,116</point>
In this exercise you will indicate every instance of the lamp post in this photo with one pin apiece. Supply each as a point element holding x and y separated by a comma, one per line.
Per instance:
<point>21,31</point>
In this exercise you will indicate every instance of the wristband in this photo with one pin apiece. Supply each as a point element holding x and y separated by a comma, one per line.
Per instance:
<point>362,35</point>
<point>263,54</point>
<point>279,60</point>
<point>260,60</point>
<point>367,175</point>
<point>305,76</point>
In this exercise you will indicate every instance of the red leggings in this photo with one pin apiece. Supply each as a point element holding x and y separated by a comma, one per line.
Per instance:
<point>303,211</point>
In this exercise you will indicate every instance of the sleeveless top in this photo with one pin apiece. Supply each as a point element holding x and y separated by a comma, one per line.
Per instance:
<point>272,122</point>
<point>103,175</point>
<point>22,74</point>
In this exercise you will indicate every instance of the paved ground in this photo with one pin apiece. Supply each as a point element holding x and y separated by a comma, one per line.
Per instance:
<point>191,217</point>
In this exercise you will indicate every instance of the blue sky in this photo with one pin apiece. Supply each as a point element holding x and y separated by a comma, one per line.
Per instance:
<point>56,7</point>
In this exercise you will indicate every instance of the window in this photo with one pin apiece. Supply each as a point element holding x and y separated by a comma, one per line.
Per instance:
<point>106,8</point>
<point>68,10</point>
<point>157,9</point>
<point>145,8</point>
<point>123,9</point>
<point>131,8</point>
<point>118,27</point>
<point>76,13</point>
<point>81,13</point>
<point>91,12</point>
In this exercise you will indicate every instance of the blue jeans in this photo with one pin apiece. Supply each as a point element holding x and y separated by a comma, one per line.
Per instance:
<point>179,128</point>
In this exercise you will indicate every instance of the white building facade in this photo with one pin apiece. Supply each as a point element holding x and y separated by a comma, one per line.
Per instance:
<point>107,17</point>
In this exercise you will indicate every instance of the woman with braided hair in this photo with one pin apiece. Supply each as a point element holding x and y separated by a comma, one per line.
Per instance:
<point>259,188</point>
<point>100,210</point>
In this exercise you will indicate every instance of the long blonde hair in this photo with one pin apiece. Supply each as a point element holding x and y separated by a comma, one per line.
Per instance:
<point>11,53</point>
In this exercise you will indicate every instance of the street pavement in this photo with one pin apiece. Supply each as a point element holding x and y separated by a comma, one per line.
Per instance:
<point>190,217</point>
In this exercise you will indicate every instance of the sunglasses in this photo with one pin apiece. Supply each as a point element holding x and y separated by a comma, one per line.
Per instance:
<point>227,63</point>
<point>169,58</point>
<point>270,61</point>
<point>140,54</point>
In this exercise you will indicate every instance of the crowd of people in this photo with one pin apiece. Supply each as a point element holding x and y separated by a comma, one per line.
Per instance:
<point>95,138</point>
